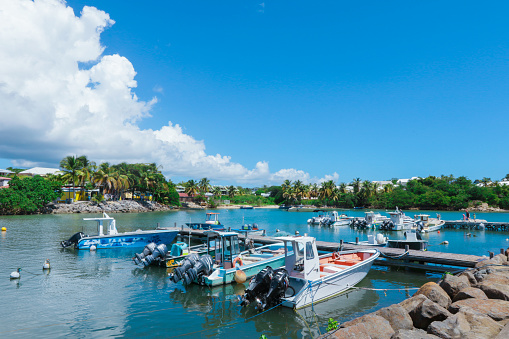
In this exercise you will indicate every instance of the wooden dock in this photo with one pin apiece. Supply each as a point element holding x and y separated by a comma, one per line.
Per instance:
<point>477,225</point>
<point>427,260</point>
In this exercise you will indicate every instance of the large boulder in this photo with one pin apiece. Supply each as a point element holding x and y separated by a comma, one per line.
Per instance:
<point>426,313</point>
<point>470,292</point>
<point>495,290</point>
<point>470,276</point>
<point>494,308</point>
<point>397,317</point>
<point>368,326</point>
<point>413,334</point>
<point>454,327</point>
<point>412,303</point>
<point>499,259</point>
<point>453,284</point>
<point>504,334</point>
<point>435,293</point>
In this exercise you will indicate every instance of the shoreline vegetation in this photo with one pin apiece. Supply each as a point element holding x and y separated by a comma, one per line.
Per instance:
<point>141,183</point>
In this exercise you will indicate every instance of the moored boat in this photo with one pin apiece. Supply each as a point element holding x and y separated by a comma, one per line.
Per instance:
<point>380,241</point>
<point>249,229</point>
<point>370,220</point>
<point>211,223</point>
<point>429,224</point>
<point>114,239</point>
<point>398,222</point>
<point>412,238</point>
<point>308,278</point>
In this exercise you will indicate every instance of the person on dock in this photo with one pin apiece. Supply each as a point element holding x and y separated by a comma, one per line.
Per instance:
<point>468,214</point>
<point>474,216</point>
<point>464,217</point>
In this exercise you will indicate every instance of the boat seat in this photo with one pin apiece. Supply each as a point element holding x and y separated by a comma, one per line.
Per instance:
<point>334,268</point>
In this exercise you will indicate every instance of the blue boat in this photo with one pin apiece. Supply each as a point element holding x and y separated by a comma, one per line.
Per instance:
<point>113,239</point>
<point>211,223</point>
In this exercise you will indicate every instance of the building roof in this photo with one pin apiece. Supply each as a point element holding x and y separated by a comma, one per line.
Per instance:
<point>40,171</point>
<point>4,178</point>
<point>5,171</point>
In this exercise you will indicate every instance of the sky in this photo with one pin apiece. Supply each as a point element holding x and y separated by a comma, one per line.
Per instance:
<point>252,93</point>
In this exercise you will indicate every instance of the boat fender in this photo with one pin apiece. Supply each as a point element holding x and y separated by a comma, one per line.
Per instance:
<point>45,266</point>
<point>4,229</point>
<point>238,260</point>
<point>93,248</point>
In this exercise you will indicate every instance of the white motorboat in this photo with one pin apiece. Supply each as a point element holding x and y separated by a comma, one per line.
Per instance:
<point>398,222</point>
<point>318,218</point>
<point>371,220</point>
<point>380,241</point>
<point>428,224</point>
<point>308,278</point>
<point>336,219</point>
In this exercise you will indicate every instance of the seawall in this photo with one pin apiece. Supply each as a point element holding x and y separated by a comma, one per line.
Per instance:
<point>123,206</point>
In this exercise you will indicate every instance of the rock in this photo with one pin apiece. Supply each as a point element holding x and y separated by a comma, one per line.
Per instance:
<point>494,290</point>
<point>428,312</point>
<point>470,292</point>
<point>470,276</point>
<point>435,293</point>
<point>504,334</point>
<point>397,317</point>
<point>413,334</point>
<point>412,303</point>
<point>499,259</point>
<point>481,326</point>
<point>496,277</point>
<point>453,284</point>
<point>494,308</point>
<point>368,326</point>
<point>454,327</point>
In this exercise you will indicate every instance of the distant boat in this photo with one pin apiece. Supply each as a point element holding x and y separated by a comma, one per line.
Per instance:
<point>398,222</point>
<point>113,239</point>
<point>246,207</point>
<point>284,207</point>
<point>211,223</point>
<point>428,224</point>
<point>301,208</point>
<point>380,241</point>
<point>249,229</point>
<point>370,221</point>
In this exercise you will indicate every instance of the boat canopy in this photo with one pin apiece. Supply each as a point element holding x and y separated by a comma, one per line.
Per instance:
<point>302,260</point>
<point>110,224</point>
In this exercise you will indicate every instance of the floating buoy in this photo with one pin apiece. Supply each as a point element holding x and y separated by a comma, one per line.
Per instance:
<point>4,229</point>
<point>296,232</point>
<point>277,230</point>
<point>444,242</point>
<point>16,274</point>
<point>93,248</point>
<point>240,276</point>
<point>438,232</point>
<point>45,266</point>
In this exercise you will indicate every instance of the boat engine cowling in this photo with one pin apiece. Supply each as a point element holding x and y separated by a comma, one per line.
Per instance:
<point>159,252</point>
<point>73,240</point>
<point>278,285</point>
<point>258,286</point>
<point>140,257</point>
<point>201,267</point>
<point>188,263</point>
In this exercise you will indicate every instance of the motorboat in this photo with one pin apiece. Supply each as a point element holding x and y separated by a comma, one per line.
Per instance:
<point>301,208</point>
<point>211,223</point>
<point>246,207</point>
<point>398,222</point>
<point>370,221</point>
<point>249,229</point>
<point>380,241</point>
<point>336,219</point>
<point>307,278</point>
<point>428,224</point>
<point>229,263</point>
<point>412,238</point>
<point>114,239</point>
<point>318,218</point>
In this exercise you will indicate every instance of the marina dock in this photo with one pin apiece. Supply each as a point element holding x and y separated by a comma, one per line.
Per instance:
<point>425,260</point>
<point>476,225</point>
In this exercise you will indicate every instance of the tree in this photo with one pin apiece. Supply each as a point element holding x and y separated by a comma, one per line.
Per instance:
<point>232,190</point>
<point>356,185</point>
<point>204,185</point>
<point>71,165</point>
<point>191,187</point>
<point>28,195</point>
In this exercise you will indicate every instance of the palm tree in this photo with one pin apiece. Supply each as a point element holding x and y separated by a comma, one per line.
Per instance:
<point>105,177</point>
<point>356,185</point>
<point>232,190</point>
<point>388,188</point>
<point>191,187</point>
<point>367,189</point>
<point>313,190</point>
<point>327,189</point>
<point>217,191</point>
<point>86,172</point>
<point>485,181</point>
<point>204,185</point>
<point>71,165</point>
<point>342,188</point>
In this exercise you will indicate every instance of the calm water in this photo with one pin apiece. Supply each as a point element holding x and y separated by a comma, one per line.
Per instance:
<point>101,294</point>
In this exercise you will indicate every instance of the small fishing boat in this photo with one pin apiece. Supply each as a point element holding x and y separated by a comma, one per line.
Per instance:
<point>370,221</point>
<point>427,224</point>
<point>308,278</point>
<point>113,239</point>
<point>412,238</point>
<point>398,222</point>
<point>318,218</point>
<point>249,229</point>
<point>284,207</point>
<point>227,255</point>
<point>301,208</point>
<point>211,223</point>
<point>246,207</point>
<point>336,219</point>
<point>380,241</point>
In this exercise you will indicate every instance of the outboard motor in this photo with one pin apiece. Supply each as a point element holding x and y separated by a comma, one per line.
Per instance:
<point>201,267</point>
<point>187,264</point>
<point>158,253</point>
<point>140,257</point>
<point>278,285</point>
<point>73,240</point>
<point>258,286</point>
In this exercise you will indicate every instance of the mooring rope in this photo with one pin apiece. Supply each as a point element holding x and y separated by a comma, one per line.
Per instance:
<point>394,257</point>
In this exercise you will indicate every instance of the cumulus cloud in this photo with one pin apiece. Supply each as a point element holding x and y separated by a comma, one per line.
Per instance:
<point>61,95</point>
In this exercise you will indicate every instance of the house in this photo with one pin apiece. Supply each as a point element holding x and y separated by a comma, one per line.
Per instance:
<point>404,182</point>
<point>265,195</point>
<point>4,172</point>
<point>184,197</point>
<point>42,171</point>
<point>4,182</point>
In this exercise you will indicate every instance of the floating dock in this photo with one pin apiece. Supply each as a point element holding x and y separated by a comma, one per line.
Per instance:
<point>425,260</point>
<point>477,225</point>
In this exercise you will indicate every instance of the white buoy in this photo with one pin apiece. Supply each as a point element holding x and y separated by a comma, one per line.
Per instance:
<point>16,274</point>
<point>45,266</point>
<point>93,248</point>
<point>296,232</point>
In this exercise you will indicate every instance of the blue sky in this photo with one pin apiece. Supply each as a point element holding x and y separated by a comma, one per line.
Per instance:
<point>369,89</point>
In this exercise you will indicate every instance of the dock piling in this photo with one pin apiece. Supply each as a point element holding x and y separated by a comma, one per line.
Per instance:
<point>356,240</point>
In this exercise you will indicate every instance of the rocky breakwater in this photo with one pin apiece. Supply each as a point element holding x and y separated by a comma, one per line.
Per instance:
<point>122,206</point>
<point>474,304</point>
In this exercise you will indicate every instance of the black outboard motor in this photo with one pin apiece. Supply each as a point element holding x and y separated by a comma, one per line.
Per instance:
<point>158,253</point>
<point>201,267</point>
<point>188,263</point>
<point>73,240</point>
<point>258,286</point>
<point>140,257</point>
<point>278,285</point>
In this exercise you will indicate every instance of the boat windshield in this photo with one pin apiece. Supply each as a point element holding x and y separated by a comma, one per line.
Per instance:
<point>309,251</point>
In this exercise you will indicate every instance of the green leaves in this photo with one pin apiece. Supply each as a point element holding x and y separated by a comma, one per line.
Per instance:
<point>332,325</point>
<point>28,195</point>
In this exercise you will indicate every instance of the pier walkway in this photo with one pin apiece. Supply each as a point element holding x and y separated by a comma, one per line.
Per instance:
<point>427,260</point>
<point>477,225</point>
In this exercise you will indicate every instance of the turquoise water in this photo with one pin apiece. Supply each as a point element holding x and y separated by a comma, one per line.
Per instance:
<point>102,294</point>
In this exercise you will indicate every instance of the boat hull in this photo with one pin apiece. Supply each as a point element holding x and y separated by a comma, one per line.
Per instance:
<point>330,286</point>
<point>128,239</point>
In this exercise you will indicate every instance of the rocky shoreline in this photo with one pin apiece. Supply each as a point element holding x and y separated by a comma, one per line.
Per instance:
<point>122,206</point>
<point>474,304</point>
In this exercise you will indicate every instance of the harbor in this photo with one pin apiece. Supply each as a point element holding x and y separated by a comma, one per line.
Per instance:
<point>144,296</point>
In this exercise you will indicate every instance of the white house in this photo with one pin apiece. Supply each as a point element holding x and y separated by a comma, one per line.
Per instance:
<point>42,171</point>
<point>404,182</point>
<point>4,182</point>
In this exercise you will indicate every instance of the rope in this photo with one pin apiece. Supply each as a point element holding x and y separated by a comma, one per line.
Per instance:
<point>394,257</point>
<point>305,322</point>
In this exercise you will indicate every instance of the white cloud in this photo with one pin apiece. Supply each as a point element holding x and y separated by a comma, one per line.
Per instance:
<point>60,95</point>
